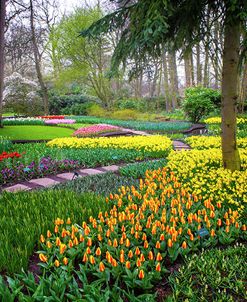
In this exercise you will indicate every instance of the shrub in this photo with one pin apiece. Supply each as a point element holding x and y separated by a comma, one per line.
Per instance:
<point>125,114</point>
<point>77,109</point>
<point>97,110</point>
<point>199,102</point>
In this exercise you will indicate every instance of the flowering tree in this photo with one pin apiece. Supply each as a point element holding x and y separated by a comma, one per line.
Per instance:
<point>22,95</point>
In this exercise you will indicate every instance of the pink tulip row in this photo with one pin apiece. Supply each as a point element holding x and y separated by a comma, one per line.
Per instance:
<point>95,129</point>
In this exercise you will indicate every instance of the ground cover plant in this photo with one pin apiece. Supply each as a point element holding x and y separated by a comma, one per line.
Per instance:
<point>102,184</point>
<point>213,275</point>
<point>34,132</point>
<point>31,213</point>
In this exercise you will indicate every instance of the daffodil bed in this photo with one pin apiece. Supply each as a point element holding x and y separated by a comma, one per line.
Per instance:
<point>155,145</point>
<point>208,142</point>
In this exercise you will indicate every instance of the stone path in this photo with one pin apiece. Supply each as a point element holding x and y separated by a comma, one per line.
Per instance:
<point>50,181</point>
<point>179,145</point>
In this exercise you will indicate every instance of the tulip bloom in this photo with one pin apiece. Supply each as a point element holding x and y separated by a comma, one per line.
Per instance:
<point>141,274</point>
<point>158,267</point>
<point>65,261</point>
<point>127,264</point>
<point>169,243</point>
<point>98,252</point>
<point>101,267</point>
<point>42,257</point>
<point>184,245</point>
<point>56,263</point>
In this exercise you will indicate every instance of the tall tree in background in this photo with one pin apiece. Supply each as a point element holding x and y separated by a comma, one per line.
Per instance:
<point>148,25</point>
<point>2,24</point>
<point>37,60</point>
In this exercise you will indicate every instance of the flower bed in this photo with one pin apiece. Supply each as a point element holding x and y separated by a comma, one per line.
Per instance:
<point>201,173</point>
<point>24,121</point>
<point>59,121</point>
<point>155,145</point>
<point>95,130</point>
<point>217,120</point>
<point>208,142</point>
<point>130,244</point>
<point>52,117</point>
<point>6,155</point>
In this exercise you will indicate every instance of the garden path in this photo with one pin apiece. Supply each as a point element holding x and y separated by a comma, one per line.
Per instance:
<point>50,181</point>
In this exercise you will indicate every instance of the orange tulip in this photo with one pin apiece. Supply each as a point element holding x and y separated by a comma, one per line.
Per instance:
<point>127,264</point>
<point>91,259</point>
<point>162,237</point>
<point>121,258</point>
<point>58,241</point>
<point>150,255</point>
<point>56,229</point>
<point>236,225</point>
<point>138,262</point>
<point>212,233</point>
<point>48,244</point>
<point>115,244</point>
<point>145,245</point>
<point>113,262</point>
<point>56,263</point>
<point>159,257</point>
<point>219,222</point>
<point>157,245</point>
<point>130,254</point>
<point>75,241</point>
<point>71,244</point>
<point>184,245</point>
<point>142,258</point>
<point>243,228</point>
<point>85,258</point>
<point>169,243</point>
<point>101,267</point>
<point>141,274</point>
<point>42,257</point>
<point>65,261</point>
<point>62,248</point>
<point>89,242</point>
<point>42,239</point>
<point>158,267</point>
<point>81,239</point>
<point>98,252</point>
<point>88,251</point>
<point>137,251</point>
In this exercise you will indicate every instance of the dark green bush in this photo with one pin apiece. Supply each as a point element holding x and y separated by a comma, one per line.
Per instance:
<point>65,103</point>
<point>199,102</point>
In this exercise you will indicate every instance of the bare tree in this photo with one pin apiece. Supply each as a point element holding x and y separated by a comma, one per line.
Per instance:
<point>2,24</point>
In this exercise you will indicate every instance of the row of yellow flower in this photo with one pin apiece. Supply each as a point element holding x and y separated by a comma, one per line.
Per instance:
<point>144,225</point>
<point>201,173</point>
<point>217,120</point>
<point>154,143</point>
<point>208,142</point>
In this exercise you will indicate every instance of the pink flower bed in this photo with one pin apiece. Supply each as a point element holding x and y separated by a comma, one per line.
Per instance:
<point>59,121</point>
<point>95,129</point>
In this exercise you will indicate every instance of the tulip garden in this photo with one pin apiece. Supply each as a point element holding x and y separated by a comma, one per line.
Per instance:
<point>168,226</point>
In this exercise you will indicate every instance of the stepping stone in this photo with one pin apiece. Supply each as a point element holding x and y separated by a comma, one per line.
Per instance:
<point>44,182</point>
<point>66,176</point>
<point>91,171</point>
<point>112,168</point>
<point>17,188</point>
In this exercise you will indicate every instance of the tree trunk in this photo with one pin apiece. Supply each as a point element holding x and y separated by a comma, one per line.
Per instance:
<point>192,69</point>
<point>173,78</point>
<point>198,65</point>
<point>243,89</point>
<point>2,24</point>
<point>37,62</point>
<point>166,83</point>
<point>187,70</point>
<point>230,154</point>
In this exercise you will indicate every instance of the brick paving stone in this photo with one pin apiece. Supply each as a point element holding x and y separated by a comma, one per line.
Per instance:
<point>45,182</point>
<point>17,188</point>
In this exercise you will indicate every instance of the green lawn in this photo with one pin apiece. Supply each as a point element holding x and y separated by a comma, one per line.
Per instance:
<point>34,132</point>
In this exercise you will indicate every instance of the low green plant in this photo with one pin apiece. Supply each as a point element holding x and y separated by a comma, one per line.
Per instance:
<point>24,216</point>
<point>102,184</point>
<point>5,144</point>
<point>138,170</point>
<point>97,110</point>
<point>199,102</point>
<point>214,275</point>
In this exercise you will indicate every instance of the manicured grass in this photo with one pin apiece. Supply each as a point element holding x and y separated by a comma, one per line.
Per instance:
<point>34,132</point>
